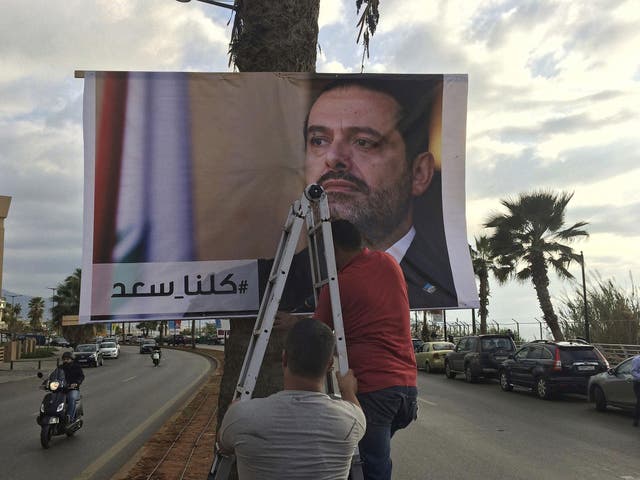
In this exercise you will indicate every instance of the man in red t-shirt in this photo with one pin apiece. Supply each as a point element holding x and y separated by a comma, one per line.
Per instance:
<point>375,311</point>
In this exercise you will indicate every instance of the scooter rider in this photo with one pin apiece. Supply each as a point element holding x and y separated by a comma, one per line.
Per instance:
<point>156,354</point>
<point>74,377</point>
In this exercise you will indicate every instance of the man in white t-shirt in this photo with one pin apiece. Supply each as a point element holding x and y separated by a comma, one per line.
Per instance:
<point>299,432</point>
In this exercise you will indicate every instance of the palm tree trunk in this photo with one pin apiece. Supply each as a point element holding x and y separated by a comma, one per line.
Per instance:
<point>272,36</point>
<point>484,301</point>
<point>540,281</point>
<point>276,36</point>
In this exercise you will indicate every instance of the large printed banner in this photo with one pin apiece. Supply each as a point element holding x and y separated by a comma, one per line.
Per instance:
<point>189,178</point>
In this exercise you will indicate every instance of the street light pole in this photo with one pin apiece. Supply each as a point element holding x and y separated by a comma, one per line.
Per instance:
<point>53,293</point>
<point>12,300</point>
<point>584,298</point>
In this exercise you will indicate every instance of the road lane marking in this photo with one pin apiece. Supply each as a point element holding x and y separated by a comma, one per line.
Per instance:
<point>127,379</point>
<point>106,457</point>
<point>428,402</point>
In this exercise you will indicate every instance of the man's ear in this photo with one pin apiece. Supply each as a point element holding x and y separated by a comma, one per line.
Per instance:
<point>330,366</point>
<point>422,173</point>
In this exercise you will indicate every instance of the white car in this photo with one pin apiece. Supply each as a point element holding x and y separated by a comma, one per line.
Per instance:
<point>110,349</point>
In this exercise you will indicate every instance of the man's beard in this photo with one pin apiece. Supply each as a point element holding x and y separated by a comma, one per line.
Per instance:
<point>378,214</point>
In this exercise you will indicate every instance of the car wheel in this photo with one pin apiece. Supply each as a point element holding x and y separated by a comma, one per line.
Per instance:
<point>448,372</point>
<point>505,384</point>
<point>427,367</point>
<point>600,399</point>
<point>468,374</point>
<point>542,388</point>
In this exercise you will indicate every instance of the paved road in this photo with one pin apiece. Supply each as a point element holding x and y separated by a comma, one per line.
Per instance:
<point>477,431</point>
<point>125,401</point>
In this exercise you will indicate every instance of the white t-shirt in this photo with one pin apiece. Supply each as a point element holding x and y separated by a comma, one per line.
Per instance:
<point>293,435</point>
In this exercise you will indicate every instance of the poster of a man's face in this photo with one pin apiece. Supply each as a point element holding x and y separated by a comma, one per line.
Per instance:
<point>189,184</point>
<point>356,152</point>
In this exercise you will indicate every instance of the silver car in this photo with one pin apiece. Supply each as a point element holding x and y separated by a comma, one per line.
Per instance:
<point>109,349</point>
<point>613,387</point>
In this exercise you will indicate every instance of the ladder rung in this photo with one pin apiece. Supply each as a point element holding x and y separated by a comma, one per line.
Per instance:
<point>321,283</point>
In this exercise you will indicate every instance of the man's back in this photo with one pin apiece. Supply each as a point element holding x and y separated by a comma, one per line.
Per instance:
<point>293,435</point>
<point>375,312</point>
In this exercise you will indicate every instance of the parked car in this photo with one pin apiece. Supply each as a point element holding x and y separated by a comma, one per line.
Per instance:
<point>478,356</point>
<point>59,342</point>
<point>88,354</point>
<point>417,344</point>
<point>176,340</point>
<point>549,367</point>
<point>147,345</point>
<point>109,349</point>
<point>431,355</point>
<point>613,387</point>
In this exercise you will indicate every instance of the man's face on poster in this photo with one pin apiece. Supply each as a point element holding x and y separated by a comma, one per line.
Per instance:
<point>356,153</point>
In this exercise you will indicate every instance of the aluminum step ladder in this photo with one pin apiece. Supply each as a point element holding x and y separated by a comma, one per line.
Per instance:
<point>312,208</point>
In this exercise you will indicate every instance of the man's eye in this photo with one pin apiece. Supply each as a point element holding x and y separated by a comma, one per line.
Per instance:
<point>317,141</point>
<point>366,143</point>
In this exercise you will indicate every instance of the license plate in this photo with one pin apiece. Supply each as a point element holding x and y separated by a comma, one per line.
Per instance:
<point>586,367</point>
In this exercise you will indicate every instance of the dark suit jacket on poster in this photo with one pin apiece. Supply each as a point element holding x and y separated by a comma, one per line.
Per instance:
<point>426,270</point>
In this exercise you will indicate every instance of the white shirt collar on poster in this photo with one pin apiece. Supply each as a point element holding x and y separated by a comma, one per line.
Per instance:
<point>399,249</point>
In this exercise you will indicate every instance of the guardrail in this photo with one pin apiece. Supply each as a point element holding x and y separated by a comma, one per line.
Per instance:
<point>39,360</point>
<point>615,353</point>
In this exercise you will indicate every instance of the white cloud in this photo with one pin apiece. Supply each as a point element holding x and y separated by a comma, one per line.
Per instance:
<point>554,96</point>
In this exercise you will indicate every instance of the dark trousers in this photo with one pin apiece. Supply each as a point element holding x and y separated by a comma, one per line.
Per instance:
<point>386,411</point>
<point>636,390</point>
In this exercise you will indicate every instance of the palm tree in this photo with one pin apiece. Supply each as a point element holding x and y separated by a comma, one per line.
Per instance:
<point>530,238</point>
<point>274,36</point>
<point>484,262</point>
<point>36,311</point>
<point>67,302</point>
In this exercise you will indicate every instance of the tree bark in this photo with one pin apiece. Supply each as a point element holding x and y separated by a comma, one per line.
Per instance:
<point>540,280</point>
<point>276,36</point>
<point>272,36</point>
<point>484,300</point>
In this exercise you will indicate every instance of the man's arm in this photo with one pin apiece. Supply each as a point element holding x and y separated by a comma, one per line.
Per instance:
<point>348,384</point>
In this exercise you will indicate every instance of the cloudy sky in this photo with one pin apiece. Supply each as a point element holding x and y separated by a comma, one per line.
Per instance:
<point>554,95</point>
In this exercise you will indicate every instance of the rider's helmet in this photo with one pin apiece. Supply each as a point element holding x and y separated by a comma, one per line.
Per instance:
<point>66,355</point>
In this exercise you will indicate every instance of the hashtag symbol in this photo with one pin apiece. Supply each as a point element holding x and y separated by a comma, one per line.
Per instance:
<point>242,288</point>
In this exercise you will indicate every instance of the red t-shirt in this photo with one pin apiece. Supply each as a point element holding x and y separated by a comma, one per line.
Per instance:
<point>375,312</point>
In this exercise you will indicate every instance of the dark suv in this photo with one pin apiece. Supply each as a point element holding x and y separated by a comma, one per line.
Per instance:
<point>549,367</point>
<point>478,356</point>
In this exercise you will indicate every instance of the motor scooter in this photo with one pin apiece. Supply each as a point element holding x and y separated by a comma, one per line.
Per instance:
<point>155,356</point>
<point>53,418</point>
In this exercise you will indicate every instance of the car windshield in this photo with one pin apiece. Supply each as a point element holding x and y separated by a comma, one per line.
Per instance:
<point>107,345</point>
<point>492,344</point>
<point>443,346</point>
<point>570,355</point>
<point>86,348</point>
<point>149,342</point>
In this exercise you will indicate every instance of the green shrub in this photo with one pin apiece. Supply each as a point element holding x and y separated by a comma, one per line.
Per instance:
<point>40,353</point>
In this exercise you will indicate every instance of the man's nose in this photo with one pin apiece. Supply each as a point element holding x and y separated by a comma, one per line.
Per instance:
<point>338,155</point>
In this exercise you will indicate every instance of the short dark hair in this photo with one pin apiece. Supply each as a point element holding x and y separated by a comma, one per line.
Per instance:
<point>346,235</point>
<point>412,121</point>
<point>309,346</point>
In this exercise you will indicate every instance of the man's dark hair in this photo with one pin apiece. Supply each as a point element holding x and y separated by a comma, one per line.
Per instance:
<point>414,107</point>
<point>309,346</point>
<point>346,235</point>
